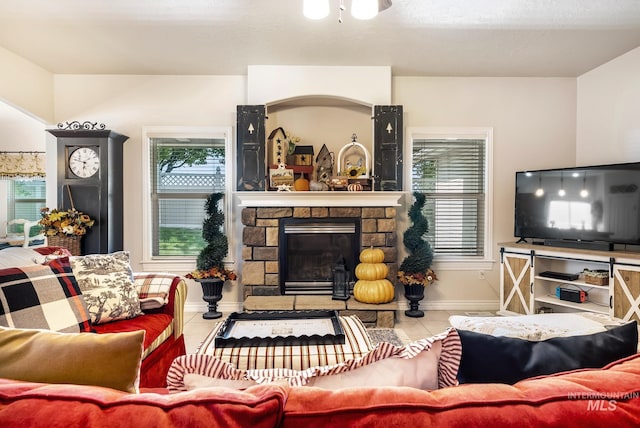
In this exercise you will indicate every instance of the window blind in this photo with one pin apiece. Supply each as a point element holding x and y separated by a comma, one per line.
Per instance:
<point>451,174</point>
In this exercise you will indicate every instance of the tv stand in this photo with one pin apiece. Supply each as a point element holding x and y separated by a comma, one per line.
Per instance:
<point>583,245</point>
<point>526,288</point>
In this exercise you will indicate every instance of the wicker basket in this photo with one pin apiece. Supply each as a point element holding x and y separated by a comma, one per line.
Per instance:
<point>71,244</point>
<point>596,277</point>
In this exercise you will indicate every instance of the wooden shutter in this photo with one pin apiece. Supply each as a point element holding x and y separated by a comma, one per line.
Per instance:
<point>387,137</point>
<point>250,145</point>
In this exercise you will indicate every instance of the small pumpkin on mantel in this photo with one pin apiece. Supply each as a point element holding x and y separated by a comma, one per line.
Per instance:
<point>372,285</point>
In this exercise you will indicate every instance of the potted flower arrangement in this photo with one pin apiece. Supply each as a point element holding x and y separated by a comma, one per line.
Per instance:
<point>65,228</point>
<point>210,271</point>
<point>415,271</point>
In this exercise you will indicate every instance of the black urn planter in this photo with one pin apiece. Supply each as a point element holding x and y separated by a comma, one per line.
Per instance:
<point>414,293</point>
<point>211,293</point>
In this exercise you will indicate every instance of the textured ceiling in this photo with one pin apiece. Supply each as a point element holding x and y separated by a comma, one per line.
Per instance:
<point>414,37</point>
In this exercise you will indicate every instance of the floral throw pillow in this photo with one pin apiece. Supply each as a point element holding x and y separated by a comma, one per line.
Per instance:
<point>106,281</point>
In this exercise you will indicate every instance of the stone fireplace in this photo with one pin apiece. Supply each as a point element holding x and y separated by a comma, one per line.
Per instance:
<point>342,101</point>
<point>266,222</point>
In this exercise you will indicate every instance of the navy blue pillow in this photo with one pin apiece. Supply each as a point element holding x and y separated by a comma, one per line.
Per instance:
<point>493,359</point>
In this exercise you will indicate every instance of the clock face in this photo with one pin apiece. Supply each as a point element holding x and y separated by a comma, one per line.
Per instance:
<point>84,162</point>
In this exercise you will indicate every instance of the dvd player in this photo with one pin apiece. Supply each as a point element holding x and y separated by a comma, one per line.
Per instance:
<point>560,275</point>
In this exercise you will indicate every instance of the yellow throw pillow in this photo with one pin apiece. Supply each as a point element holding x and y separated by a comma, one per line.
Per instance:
<point>111,360</point>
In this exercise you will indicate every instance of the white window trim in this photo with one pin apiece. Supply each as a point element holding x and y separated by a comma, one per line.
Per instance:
<point>486,133</point>
<point>183,263</point>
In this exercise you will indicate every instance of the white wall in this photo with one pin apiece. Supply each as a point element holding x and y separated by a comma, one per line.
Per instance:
<point>533,127</point>
<point>20,131</point>
<point>25,85</point>
<point>533,121</point>
<point>364,84</point>
<point>608,103</point>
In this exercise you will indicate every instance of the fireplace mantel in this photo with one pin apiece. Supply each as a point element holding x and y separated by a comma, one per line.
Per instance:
<point>319,199</point>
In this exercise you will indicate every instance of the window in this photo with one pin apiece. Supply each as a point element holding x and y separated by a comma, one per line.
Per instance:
<point>24,199</point>
<point>184,168</point>
<point>452,169</point>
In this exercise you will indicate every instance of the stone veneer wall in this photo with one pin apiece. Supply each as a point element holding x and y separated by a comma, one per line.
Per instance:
<point>260,271</point>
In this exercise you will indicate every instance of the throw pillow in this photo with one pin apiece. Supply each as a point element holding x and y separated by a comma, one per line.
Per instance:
<point>43,296</point>
<point>153,289</point>
<point>532,327</point>
<point>111,360</point>
<point>430,363</point>
<point>106,281</point>
<point>489,359</point>
<point>195,381</point>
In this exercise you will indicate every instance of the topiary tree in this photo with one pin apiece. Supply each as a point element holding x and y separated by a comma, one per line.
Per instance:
<point>212,256</point>
<point>415,268</point>
<point>210,263</point>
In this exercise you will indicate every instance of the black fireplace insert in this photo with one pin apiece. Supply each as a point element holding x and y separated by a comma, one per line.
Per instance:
<point>309,249</point>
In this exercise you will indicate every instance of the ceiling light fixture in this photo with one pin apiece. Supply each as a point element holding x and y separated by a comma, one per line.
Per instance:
<point>315,9</point>
<point>360,9</point>
<point>364,9</point>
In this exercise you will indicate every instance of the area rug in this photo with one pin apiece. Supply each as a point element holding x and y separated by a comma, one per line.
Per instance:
<point>394,336</point>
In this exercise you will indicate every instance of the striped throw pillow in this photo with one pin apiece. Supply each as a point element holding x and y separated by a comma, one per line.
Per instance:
<point>428,364</point>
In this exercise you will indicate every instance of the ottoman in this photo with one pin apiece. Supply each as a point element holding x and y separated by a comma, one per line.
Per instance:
<point>295,356</point>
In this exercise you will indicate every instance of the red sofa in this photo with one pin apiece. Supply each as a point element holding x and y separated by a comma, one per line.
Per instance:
<point>164,339</point>
<point>590,397</point>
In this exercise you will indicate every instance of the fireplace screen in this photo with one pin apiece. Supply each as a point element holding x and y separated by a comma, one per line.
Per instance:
<point>310,248</point>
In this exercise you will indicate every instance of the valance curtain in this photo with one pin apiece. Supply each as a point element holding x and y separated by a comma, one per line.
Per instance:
<point>22,165</point>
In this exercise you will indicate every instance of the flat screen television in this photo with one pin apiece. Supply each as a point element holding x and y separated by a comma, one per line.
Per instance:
<point>591,206</point>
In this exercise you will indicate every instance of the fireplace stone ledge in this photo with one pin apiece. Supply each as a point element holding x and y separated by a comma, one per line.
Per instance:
<point>319,199</point>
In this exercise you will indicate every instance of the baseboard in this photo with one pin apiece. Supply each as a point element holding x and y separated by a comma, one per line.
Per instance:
<point>454,305</point>
<point>222,307</point>
<point>403,305</point>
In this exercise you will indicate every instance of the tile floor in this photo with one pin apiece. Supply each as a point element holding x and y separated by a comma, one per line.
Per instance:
<point>433,322</point>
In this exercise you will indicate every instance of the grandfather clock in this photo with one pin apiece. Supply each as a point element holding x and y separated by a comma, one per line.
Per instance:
<point>90,179</point>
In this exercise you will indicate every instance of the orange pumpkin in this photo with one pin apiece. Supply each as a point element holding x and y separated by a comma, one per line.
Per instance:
<point>372,255</point>
<point>371,271</point>
<point>372,285</point>
<point>376,291</point>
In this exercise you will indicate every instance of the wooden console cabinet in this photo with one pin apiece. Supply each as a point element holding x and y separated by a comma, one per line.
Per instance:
<point>525,290</point>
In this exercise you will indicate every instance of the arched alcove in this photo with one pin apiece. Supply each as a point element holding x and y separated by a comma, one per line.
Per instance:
<point>322,120</point>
